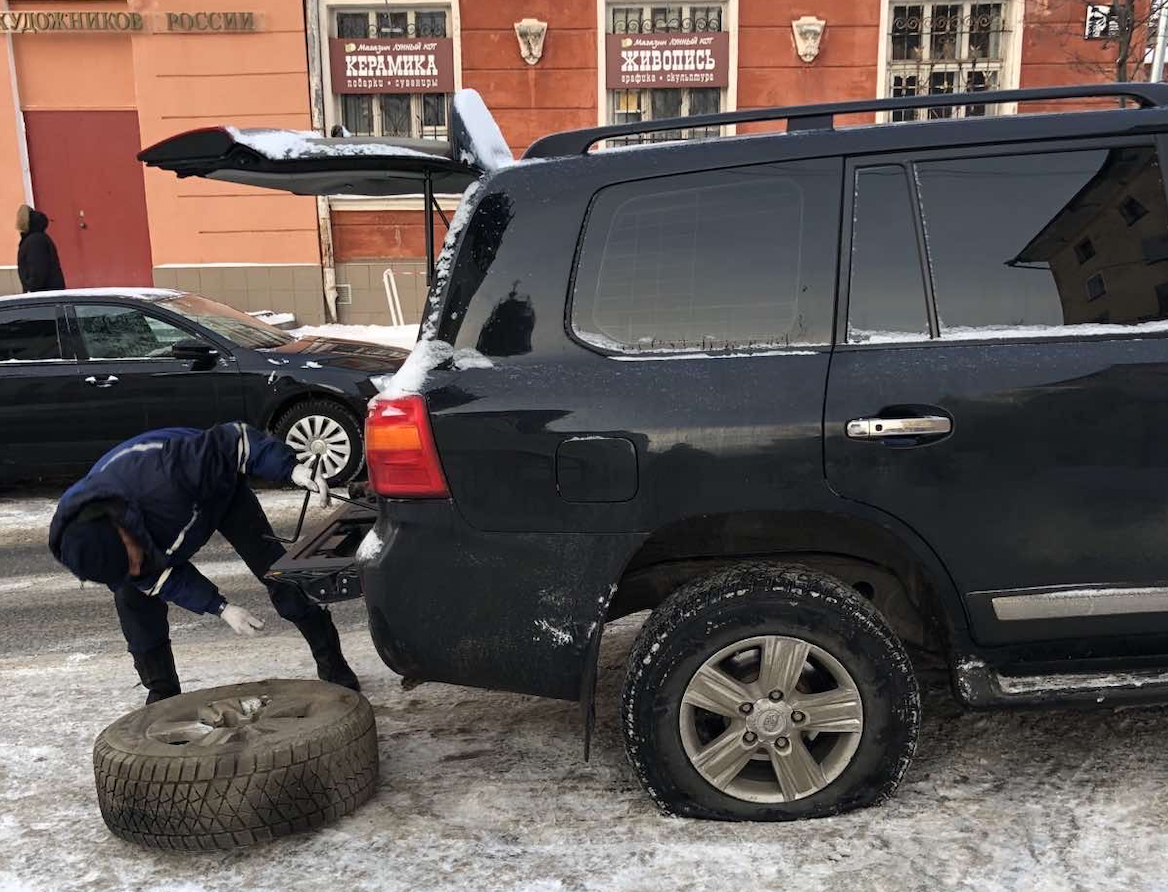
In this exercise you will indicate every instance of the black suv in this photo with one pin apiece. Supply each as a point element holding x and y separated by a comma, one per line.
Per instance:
<point>809,397</point>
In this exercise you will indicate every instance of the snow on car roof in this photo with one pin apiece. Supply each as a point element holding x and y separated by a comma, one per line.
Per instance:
<point>139,293</point>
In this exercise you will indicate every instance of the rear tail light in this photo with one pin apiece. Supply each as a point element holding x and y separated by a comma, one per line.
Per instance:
<point>400,450</point>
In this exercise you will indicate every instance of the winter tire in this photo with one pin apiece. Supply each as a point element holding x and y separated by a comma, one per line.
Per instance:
<point>325,429</point>
<point>236,765</point>
<point>768,692</point>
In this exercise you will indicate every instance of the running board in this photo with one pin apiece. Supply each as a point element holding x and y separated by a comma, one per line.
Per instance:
<point>980,685</point>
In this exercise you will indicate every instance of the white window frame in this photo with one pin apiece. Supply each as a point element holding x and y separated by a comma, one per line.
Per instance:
<point>1010,68</point>
<point>326,17</point>
<point>729,25</point>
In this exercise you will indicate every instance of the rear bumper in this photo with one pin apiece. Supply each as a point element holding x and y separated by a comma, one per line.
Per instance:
<point>507,611</point>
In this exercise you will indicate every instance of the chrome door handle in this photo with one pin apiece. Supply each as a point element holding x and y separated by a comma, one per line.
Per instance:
<point>920,426</point>
<point>108,381</point>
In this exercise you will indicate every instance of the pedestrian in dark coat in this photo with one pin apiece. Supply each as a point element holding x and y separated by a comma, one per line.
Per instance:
<point>36,258</point>
<point>138,517</point>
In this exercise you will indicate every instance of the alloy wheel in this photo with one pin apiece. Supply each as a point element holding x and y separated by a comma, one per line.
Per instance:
<point>771,719</point>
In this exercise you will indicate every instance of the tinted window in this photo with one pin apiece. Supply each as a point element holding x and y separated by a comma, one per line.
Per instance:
<point>111,332</point>
<point>709,261</point>
<point>886,299</point>
<point>29,335</point>
<point>1044,241</point>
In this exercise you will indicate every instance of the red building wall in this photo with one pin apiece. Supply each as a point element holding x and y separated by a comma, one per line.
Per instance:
<point>560,92</point>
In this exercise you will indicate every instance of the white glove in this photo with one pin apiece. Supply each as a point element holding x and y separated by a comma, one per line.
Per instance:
<point>303,477</point>
<point>241,621</point>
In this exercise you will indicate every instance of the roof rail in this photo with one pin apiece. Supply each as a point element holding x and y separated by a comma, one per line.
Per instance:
<point>822,116</point>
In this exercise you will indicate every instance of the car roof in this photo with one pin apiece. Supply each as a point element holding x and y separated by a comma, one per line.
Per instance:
<point>151,295</point>
<point>620,163</point>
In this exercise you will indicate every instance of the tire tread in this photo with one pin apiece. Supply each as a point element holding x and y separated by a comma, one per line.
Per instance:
<point>212,802</point>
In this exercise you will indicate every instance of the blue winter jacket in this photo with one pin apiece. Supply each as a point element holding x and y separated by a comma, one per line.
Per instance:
<point>176,484</point>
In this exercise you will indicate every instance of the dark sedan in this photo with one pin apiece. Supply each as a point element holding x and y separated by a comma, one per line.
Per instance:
<point>84,369</point>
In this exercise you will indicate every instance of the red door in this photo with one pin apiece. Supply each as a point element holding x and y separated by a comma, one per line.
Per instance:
<point>87,178</point>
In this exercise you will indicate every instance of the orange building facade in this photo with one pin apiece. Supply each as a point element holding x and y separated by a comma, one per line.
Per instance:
<point>91,81</point>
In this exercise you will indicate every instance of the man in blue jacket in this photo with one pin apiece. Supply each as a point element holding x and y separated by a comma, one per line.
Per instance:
<point>142,512</point>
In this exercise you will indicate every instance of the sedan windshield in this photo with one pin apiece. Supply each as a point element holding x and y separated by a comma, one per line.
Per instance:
<point>237,327</point>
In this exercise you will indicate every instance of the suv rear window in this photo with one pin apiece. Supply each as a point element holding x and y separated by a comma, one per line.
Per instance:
<point>729,259</point>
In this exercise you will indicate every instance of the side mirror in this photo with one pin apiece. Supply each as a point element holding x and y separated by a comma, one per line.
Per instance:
<point>201,354</point>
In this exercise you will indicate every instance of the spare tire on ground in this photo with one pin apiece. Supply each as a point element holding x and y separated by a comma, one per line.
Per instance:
<point>236,765</point>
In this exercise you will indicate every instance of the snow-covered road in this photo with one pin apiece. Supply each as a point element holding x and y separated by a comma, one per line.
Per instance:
<point>489,791</point>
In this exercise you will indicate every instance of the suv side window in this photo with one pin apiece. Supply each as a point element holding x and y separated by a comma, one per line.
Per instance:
<point>1028,244</point>
<point>117,332</point>
<point>29,334</point>
<point>886,294</point>
<point>727,259</point>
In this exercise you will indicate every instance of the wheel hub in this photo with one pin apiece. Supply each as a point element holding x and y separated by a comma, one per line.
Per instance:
<point>321,438</point>
<point>769,720</point>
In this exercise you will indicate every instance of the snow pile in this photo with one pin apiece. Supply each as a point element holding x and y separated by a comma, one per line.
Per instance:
<point>370,546</point>
<point>468,358</point>
<point>403,336</point>
<point>424,358</point>
<point>273,318</point>
<point>285,145</point>
<point>485,147</point>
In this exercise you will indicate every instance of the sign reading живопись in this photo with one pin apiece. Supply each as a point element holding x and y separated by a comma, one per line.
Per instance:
<point>696,59</point>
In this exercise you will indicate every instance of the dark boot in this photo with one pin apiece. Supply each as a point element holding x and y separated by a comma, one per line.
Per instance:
<point>156,669</point>
<point>320,633</point>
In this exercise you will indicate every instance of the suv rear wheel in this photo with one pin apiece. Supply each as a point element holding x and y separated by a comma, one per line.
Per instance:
<point>766,692</point>
<point>326,429</point>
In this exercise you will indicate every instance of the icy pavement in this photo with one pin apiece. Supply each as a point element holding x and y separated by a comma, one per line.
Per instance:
<point>489,791</point>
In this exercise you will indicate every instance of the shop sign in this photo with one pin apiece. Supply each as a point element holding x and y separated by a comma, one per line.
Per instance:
<point>386,65</point>
<point>699,59</point>
<point>35,21</point>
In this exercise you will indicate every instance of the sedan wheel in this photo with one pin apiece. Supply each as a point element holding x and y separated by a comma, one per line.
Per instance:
<point>326,431</point>
<point>320,436</point>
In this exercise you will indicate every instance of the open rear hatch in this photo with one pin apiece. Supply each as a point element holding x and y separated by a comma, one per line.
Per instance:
<point>306,163</point>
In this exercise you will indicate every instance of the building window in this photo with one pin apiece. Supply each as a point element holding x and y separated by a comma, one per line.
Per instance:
<point>1131,210</point>
<point>1096,287</point>
<point>630,106</point>
<point>1084,251</point>
<point>406,114</point>
<point>937,48</point>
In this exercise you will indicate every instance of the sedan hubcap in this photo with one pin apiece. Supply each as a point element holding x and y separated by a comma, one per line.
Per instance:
<point>320,436</point>
<point>771,719</point>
